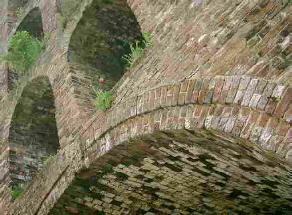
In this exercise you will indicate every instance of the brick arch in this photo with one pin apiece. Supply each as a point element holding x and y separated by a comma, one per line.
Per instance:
<point>179,170</point>
<point>177,62</point>
<point>257,110</point>
<point>100,37</point>
<point>33,136</point>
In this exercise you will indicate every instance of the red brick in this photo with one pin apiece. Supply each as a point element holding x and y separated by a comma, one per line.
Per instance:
<point>249,124</point>
<point>284,104</point>
<point>175,95</point>
<point>203,90</point>
<point>263,120</point>
<point>283,128</point>
<point>197,89</point>
<point>184,86</point>
<point>189,96</point>
<point>217,90</point>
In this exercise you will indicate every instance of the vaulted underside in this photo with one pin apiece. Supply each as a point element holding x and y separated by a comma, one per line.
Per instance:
<point>180,172</point>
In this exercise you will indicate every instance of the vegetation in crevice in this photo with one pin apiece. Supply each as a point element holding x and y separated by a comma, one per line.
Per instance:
<point>103,99</point>
<point>137,50</point>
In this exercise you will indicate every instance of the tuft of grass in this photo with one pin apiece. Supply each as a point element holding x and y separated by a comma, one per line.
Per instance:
<point>47,160</point>
<point>146,38</point>
<point>137,50</point>
<point>133,56</point>
<point>103,100</point>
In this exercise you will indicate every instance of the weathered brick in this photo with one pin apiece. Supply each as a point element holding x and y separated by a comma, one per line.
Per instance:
<point>189,95</point>
<point>249,92</point>
<point>219,83</point>
<point>284,104</point>
<point>203,90</point>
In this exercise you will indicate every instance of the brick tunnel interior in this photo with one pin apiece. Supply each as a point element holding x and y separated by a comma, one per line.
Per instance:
<point>33,136</point>
<point>101,38</point>
<point>180,172</point>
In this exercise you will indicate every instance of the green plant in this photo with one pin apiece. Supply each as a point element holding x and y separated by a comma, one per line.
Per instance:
<point>15,192</point>
<point>133,56</point>
<point>47,160</point>
<point>23,51</point>
<point>20,12</point>
<point>137,50</point>
<point>147,38</point>
<point>103,100</point>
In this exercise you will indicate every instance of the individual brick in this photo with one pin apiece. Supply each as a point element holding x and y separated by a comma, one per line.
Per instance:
<point>243,84</point>
<point>249,92</point>
<point>189,96</point>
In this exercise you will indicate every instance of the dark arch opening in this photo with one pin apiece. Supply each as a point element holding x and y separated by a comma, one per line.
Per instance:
<point>101,38</point>
<point>33,136</point>
<point>32,23</point>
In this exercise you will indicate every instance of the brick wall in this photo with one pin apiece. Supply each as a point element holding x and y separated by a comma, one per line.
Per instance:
<point>213,65</point>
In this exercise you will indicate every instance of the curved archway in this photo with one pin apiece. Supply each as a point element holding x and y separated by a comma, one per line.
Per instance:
<point>181,172</point>
<point>33,136</point>
<point>31,23</point>
<point>101,38</point>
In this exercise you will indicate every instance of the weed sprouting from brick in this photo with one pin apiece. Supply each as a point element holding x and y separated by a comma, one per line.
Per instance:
<point>103,99</point>
<point>14,192</point>
<point>137,50</point>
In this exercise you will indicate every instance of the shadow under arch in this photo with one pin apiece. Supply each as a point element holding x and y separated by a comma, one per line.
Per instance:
<point>32,23</point>
<point>102,36</point>
<point>33,136</point>
<point>188,171</point>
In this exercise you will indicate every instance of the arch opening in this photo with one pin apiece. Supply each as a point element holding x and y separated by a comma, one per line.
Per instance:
<point>33,136</point>
<point>101,38</point>
<point>181,171</point>
<point>32,23</point>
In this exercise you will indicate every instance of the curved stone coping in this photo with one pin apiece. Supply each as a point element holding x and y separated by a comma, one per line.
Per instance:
<point>253,101</point>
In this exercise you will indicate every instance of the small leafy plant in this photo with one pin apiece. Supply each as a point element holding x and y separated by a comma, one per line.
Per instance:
<point>23,51</point>
<point>15,192</point>
<point>137,50</point>
<point>47,160</point>
<point>103,99</point>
